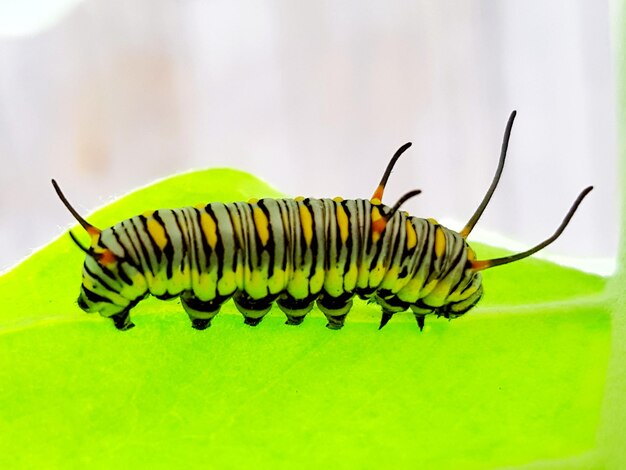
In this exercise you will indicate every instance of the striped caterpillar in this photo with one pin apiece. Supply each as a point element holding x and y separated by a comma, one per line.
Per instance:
<point>294,252</point>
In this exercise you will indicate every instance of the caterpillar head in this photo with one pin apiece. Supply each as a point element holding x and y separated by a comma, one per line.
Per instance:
<point>110,286</point>
<point>107,280</point>
<point>466,289</point>
<point>468,294</point>
<point>100,286</point>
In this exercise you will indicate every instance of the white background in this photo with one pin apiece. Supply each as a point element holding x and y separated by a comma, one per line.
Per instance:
<point>313,97</point>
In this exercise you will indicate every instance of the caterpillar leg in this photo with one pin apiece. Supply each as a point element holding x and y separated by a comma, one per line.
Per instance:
<point>201,312</point>
<point>295,320</point>
<point>295,309</point>
<point>421,319</point>
<point>335,308</point>
<point>384,319</point>
<point>420,315</point>
<point>122,320</point>
<point>391,305</point>
<point>253,310</point>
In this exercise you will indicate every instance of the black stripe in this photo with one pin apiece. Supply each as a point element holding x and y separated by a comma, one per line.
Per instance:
<point>421,304</point>
<point>328,243</point>
<point>122,273</point>
<point>302,241</point>
<point>142,246</point>
<point>394,301</point>
<point>395,243</point>
<point>139,265</point>
<point>158,253</point>
<point>237,241</point>
<point>219,246</point>
<point>243,299</point>
<point>205,245</point>
<point>270,246</point>
<point>469,284</point>
<point>462,276</point>
<point>334,303</point>
<point>168,251</point>
<point>315,244</point>
<point>107,271</point>
<point>433,258</point>
<point>193,253</point>
<point>117,239</point>
<point>104,283</point>
<point>467,307</point>
<point>183,239</point>
<point>233,212</point>
<point>93,297</point>
<point>245,234</point>
<point>349,242</point>
<point>335,221</point>
<point>367,225</point>
<point>378,250</point>
<point>284,228</point>
<point>166,296</point>
<point>360,227</point>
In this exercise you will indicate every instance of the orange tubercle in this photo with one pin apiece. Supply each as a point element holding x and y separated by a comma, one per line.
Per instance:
<point>480,265</point>
<point>378,194</point>
<point>107,257</point>
<point>378,227</point>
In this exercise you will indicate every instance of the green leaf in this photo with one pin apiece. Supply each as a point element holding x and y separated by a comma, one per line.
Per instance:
<point>519,379</point>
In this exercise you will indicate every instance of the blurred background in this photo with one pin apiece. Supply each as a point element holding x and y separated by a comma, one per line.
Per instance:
<point>313,97</point>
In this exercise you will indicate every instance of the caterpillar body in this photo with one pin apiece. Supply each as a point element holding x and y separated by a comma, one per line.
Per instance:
<point>295,252</point>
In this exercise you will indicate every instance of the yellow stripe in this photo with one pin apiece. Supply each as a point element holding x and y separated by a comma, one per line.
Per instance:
<point>338,199</point>
<point>411,236</point>
<point>378,224</point>
<point>95,237</point>
<point>262,225</point>
<point>440,242</point>
<point>157,232</point>
<point>376,214</point>
<point>209,228</point>
<point>342,221</point>
<point>306,220</point>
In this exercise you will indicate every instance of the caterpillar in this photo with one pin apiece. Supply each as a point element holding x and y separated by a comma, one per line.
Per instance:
<point>294,252</point>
